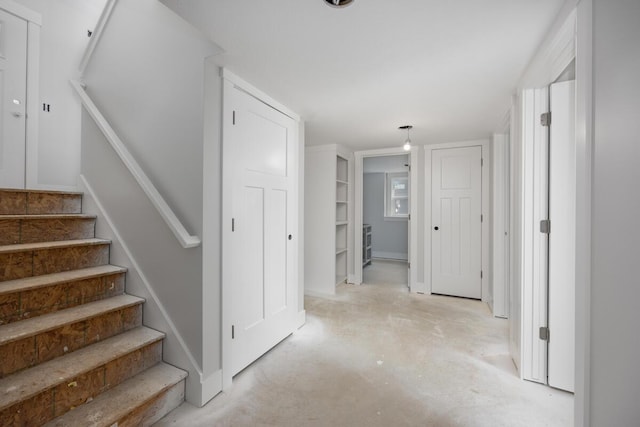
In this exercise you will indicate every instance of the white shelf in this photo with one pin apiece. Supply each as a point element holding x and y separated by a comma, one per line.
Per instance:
<point>338,223</point>
<point>339,181</point>
<point>340,251</point>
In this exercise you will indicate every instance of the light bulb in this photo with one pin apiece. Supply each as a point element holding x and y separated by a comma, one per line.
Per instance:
<point>407,145</point>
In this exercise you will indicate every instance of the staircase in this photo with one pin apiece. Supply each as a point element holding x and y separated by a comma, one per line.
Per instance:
<point>73,351</point>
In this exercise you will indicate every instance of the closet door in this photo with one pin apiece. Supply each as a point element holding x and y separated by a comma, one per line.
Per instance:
<point>262,253</point>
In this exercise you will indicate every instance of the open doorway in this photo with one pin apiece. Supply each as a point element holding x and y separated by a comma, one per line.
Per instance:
<point>385,216</point>
<point>385,233</point>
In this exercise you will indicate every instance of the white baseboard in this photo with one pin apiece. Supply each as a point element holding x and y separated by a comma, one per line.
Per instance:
<point>312,293</point>
<point>210,387</point>
<point>302,319</point>
<point>390,255</point>
<point>421,288</point>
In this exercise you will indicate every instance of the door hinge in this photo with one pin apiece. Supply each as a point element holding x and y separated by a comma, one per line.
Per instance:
<point>233,225</point>
<point>409,217</point>
<point>481,218</point>
<point>481,162</point>
<point>545,226</point>
<point>545,119</point>
<point>544,333</point>
<point>234,117</point>
<point>409,265</point>
<point>233,332</point>
<point>481,274</point>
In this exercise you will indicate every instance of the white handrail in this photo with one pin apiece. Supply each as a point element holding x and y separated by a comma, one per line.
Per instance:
<point>185,239</point>
<point>97,33</point>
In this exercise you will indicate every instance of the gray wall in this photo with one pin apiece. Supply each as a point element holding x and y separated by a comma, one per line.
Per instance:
<point>615,292</point>
<point>389,236</point>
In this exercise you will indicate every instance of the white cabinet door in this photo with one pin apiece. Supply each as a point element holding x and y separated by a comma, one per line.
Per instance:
<point>562,239</point>
<point>263,258</point>
<point>456,254</point>
<point>13,92</point>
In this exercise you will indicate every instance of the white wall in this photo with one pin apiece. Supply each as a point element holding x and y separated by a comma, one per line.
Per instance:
<point>63,38</point>
<point>615,289</point>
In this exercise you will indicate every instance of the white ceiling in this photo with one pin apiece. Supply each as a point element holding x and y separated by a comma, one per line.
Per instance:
<point>447,67</point>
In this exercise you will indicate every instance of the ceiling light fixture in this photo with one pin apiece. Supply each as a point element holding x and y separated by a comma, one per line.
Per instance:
<point>407,142</point>
<point>338,3</point>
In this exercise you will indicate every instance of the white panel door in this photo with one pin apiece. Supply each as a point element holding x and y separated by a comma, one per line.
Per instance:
<point>456,251</point>
<point>13,92</point>
<point>562,239</point>
<point>264,209</point>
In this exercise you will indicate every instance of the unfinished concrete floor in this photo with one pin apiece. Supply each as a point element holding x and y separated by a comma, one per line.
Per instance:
<point>375,355</point>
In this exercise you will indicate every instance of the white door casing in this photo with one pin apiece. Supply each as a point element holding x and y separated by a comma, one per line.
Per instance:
<point>456,227</point>
<point>13,100</point>
<point>260,245</point>
<point>413,211</point>
<point>535,245</point>
<point>562,250</point>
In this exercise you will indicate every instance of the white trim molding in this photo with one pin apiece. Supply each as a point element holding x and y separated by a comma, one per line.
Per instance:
<point>20,11</point>
<point>584,176</point>
<point>185,239</point>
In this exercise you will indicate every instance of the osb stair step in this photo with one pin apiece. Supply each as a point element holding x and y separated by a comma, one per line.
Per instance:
<point>140,401</point>
<point>34,259</point>
<point>39,202</point>
<point>38,395</point>
<point>16,229</point>
<point>34,296</point>
<point>30,342</point>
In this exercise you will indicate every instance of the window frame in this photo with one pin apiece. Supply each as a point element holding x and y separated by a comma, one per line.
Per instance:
<point>388,197</point>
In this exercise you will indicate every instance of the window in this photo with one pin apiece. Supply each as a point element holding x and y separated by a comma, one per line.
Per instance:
<point>396,195</point>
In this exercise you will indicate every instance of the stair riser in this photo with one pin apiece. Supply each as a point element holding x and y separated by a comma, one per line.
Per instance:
<point>30,351</point>
<point>14,231</point>
<point>18,265</point>
<point>33,203</point>
<point>36,302</point>
<point>58,400</point>
<point>152,411</point>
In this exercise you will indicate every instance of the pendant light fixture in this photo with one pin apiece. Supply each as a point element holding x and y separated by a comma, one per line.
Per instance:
<point>407,142</point>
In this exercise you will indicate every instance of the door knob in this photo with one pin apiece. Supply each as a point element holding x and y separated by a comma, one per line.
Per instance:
<point>436,228</point>
<point>290,237</point>
<point>16,114</point>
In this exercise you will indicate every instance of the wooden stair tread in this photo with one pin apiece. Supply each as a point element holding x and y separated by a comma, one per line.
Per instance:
<point>47,216</point>
<point>21,247</point>
<point>20,190</point>
<point>34,282</point>
<point>107,408</point>
<point>46,322</point>
<point>25,384</point>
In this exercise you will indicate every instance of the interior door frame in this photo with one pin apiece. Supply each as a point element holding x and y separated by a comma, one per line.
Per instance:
<point>34,22</point>
<point>413,210</point>
<point>232,82</point>
<point>485,209</point>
